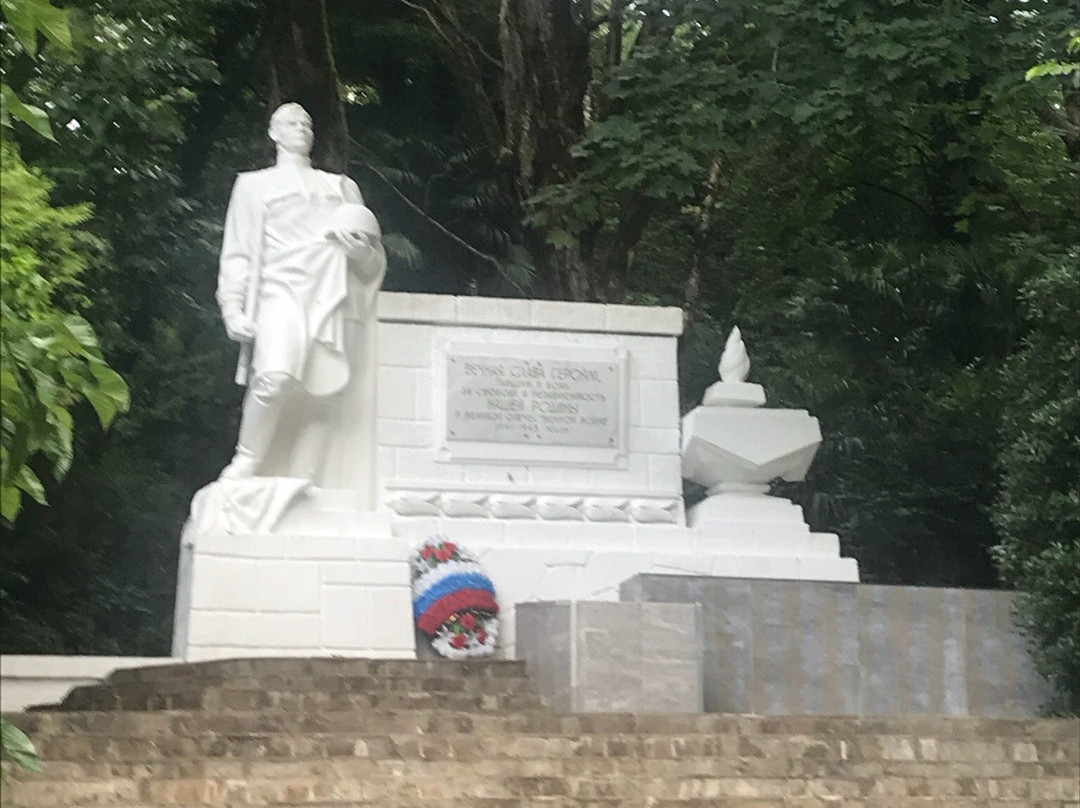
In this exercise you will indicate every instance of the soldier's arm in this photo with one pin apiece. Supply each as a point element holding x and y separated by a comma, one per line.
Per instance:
<point>234,271</point>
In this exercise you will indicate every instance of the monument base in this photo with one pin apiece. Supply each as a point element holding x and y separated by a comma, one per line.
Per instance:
<point>310,577</point>
<point>535,560</point>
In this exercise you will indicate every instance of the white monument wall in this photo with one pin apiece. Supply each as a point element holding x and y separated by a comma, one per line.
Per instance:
<point>567,522</point>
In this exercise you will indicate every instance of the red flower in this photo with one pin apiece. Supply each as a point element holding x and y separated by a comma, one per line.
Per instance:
<point>458,641</point>
<point>468,622</point>
<point>449,545</point>
<point>442,554</point>
<point>426,551</point>
<point>481,636</point>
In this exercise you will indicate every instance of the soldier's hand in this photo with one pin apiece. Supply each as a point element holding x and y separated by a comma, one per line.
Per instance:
<point>239,326</point>
<point>356,244</point>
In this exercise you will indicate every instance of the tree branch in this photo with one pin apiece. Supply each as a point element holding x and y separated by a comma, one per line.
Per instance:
<point>443,231</point>
<point>462,50</point>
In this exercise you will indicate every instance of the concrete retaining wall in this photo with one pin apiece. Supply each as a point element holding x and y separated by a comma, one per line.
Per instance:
<point>589,657</point>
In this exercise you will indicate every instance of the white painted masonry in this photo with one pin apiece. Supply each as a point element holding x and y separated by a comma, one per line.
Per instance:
<point>563,532</point>
<point>548,522</point>
<point>415,331</point>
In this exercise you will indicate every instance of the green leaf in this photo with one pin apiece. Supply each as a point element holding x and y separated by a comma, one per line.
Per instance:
<point>104,406</point>
<point>18,746</point>
<point>1051,68</point>
<point>34,117</point>
<point>53,22</point>
<point>83,333</point>
<point>560,239</point>
<point>403,250</point>
<point>10,502</point>
<point>27,481</point>
<point>21,16</point>
<point>111,395</point>
<point>17,451</point>
<point>27,17</point>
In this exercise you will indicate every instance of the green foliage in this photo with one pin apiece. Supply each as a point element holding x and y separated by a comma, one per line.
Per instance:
<point>17,747</point>
<point>42,251</point>
<point>1056,67</point>
<point>47,365</point>
<point>882,350</point>
<point>49,360</point>
<point>95,572</point>
<point>27,19</point>
<point>34,117</point>
<point>1038,510</point>
<point>883,186</point>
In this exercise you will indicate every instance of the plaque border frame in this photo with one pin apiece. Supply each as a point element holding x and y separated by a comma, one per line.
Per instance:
<point>529,454</point>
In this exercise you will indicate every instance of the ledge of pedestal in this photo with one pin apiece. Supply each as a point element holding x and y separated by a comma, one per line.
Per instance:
<point>323,579</point>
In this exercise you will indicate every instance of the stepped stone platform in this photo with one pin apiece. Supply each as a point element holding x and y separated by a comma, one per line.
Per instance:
<point>404,733</point>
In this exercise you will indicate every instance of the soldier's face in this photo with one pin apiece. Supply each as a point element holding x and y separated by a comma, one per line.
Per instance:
<point>293,132</point>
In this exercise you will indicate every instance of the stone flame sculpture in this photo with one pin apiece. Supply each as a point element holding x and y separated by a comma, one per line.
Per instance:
<point>734,447</point>
<point>734,364</point>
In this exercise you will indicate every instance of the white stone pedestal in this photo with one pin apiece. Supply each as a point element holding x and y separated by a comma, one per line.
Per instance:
<point>320,578</point>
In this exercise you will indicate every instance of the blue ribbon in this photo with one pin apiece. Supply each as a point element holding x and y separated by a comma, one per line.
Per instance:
<point>451,583</point>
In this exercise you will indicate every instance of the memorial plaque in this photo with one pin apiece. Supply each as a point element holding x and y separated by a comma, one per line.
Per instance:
<point>553,405</point>
<point>532,401</point>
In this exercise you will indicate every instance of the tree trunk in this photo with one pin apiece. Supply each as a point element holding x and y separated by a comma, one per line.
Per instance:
<point>234,29</point>
<point>545,54</point>
<point>545,77</point>
<point>302,70</point>
<point>712,190</point>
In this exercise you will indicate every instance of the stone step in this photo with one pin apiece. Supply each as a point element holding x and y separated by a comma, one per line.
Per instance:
<point>247,684</point>
<point>733,802</point>
<point>191,744</point>
<point>908,730</point>
<point>103,697</point>
<point>220,670</point>
<point>89,756</point>
<point>194,689</point>
<point>155,727</point>
<point>368,782</point>
<point>334,684</point>
<point>301,769</point>
<point>402,733</point>
<point>729,802</point>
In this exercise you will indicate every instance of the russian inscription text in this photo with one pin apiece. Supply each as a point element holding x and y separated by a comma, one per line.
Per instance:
<point>532,401</point>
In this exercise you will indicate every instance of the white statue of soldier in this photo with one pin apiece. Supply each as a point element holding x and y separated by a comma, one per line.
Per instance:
<point>301,263</point>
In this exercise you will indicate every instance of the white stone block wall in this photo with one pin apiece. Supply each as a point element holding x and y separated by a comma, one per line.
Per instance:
<point>532,558</point>
<point>414,332</point>
<point>344,593</point>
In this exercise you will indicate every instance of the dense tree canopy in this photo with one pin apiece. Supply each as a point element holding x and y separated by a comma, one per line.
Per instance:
<point>875,192</point>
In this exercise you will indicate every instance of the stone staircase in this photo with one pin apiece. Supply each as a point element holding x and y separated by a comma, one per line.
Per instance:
<point>395,733</point>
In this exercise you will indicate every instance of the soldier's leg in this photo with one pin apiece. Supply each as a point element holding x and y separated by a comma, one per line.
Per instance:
<point>309,452</point>
<point>259,420</point>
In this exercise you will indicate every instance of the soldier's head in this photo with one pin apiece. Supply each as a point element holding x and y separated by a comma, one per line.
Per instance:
<point>291,129</point>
